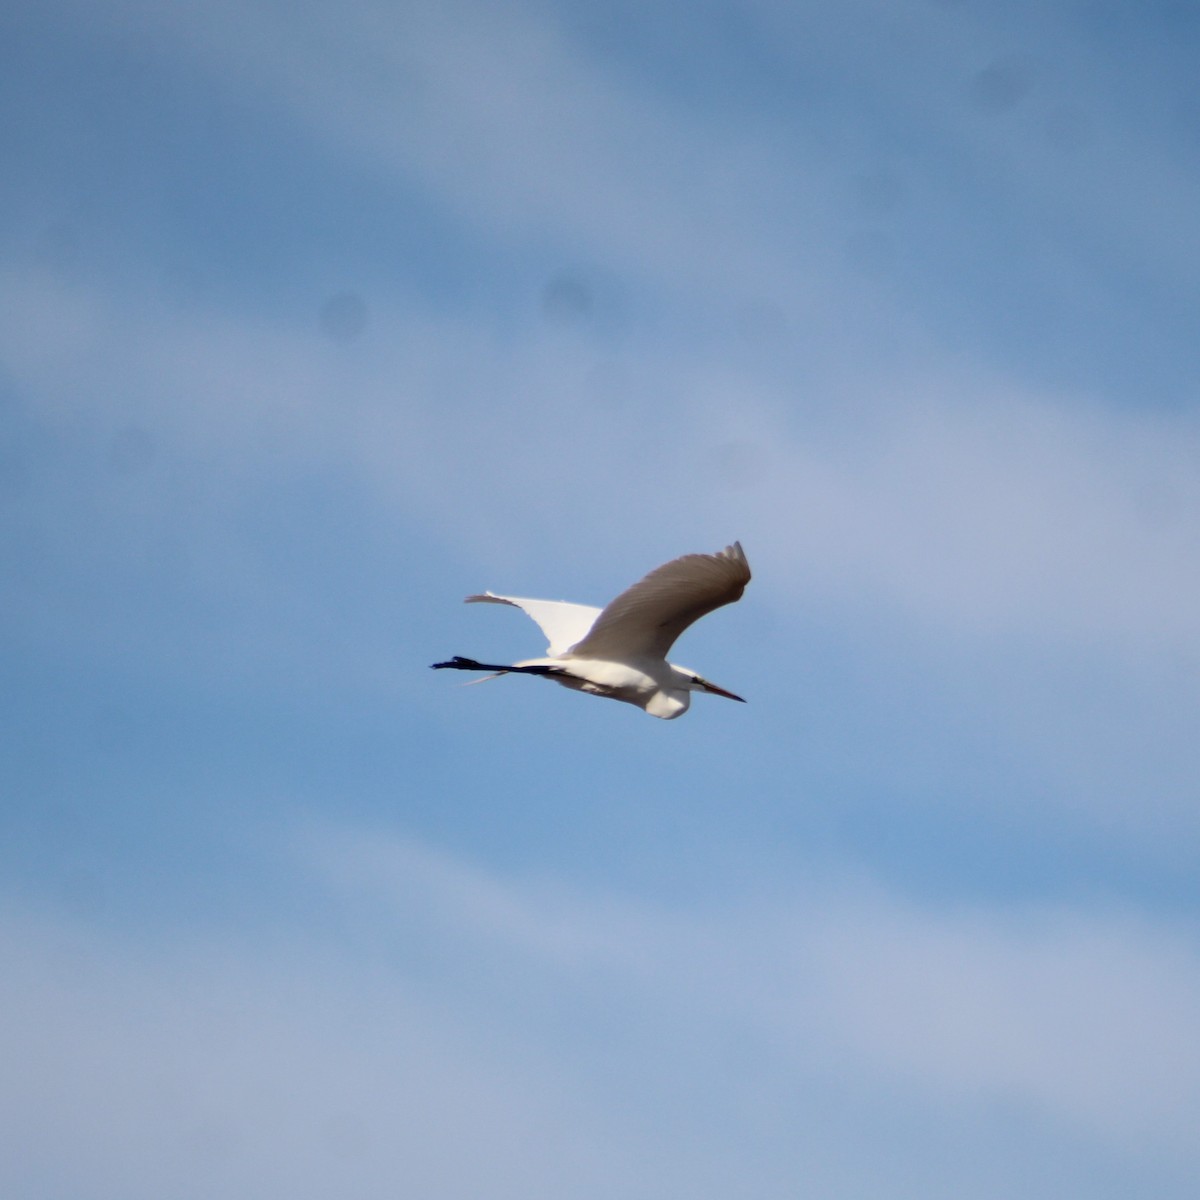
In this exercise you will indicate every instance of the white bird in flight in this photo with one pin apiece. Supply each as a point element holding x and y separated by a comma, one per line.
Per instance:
<point>621,651</point>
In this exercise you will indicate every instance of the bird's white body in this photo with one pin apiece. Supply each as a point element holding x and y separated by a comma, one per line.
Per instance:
<point>620,651</point>
<point>659,688</point>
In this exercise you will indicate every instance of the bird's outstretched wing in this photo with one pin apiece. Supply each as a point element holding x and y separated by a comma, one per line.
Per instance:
<point>563,624</point>
<point>645,620</point>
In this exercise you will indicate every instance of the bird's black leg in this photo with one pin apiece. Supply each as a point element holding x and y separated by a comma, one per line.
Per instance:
<point>458,663</point>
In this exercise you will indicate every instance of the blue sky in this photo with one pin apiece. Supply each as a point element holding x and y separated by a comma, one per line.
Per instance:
<point>316,318</point>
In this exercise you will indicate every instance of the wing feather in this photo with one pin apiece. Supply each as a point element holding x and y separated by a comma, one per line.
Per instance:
<point>645,619</point>
<point>563,623</point>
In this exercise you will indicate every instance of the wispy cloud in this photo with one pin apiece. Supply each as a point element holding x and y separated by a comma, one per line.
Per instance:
<point>964,499</point>
<point>245,1074</point>
<point>979,507</point>
<point>480,1030</point>
<point>1086,1017</point>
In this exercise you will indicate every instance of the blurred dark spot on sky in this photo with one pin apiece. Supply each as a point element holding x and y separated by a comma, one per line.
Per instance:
<point>57,247</point>
<point>131,451</point>
<point>344,317</point>
<point>215,1137</point>
<point>182,285</point>
<point>871,251</point>
<point>878,192</point>
<point>14,474</point>
<point>346,1135</point>
<point>1180,16</point>
<point>760,322</point>
<point>1187,116</point>
<point>1158,504</point>
<point>568,298</point>
<point>82,891</point>
<point>607,383</point>
<point>737,463</point>
<point>1001,85</point>
<point>1067,127</point>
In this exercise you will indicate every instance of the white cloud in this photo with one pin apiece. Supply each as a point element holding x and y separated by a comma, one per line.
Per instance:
<point>982,509</point>
<point>965,501</point>
<point>1086,1017</point>
<point>198,1072</point>
<point>511,120</point>
<point>472,1032</point>
<point>508,123</point>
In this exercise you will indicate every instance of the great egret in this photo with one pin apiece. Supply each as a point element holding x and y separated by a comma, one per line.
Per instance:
<point>621,651</point>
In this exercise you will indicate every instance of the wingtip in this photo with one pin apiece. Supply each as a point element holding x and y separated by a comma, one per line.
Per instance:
<point>735,554</point>
<point>487,598</point>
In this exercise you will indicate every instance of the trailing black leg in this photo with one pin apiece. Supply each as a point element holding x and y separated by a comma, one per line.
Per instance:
<point>458,663</point>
